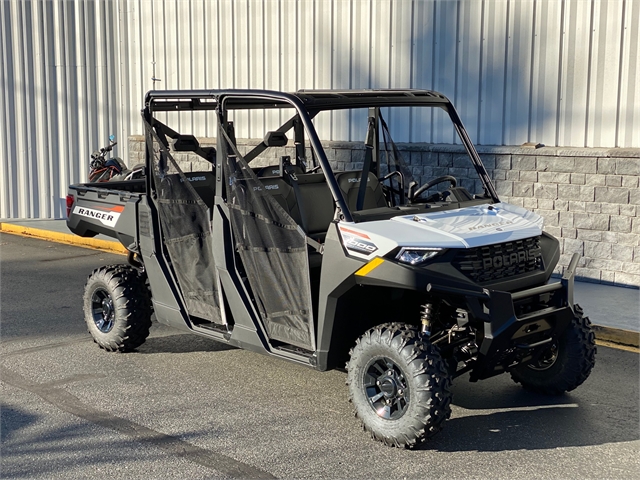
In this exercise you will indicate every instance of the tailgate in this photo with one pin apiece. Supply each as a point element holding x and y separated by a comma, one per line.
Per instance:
<point>95,210</point>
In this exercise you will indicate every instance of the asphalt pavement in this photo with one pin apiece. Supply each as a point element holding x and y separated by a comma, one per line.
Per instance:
<point>183,406</point>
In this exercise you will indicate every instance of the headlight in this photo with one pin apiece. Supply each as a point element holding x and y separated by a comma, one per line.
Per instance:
<point>416,256</point>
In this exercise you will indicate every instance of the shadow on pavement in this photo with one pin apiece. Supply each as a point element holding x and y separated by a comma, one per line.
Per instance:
<point>13,419</point>
<point>547,427</point>
<point>496,414</point>
<point>71,450</point>
<point>181,343</point>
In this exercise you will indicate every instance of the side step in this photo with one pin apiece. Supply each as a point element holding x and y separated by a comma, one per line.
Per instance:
<point>293,352</point>
<point>214,327</point>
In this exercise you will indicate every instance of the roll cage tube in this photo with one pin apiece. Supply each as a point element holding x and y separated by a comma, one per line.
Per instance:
<point>311,132</point>
<point>309,103</point>
<point>148,178</point>
<point>471,151</point>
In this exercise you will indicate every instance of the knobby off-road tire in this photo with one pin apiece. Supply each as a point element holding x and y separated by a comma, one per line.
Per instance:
<point>117,308</point>
<point>391,362</point>
<point>567,363</point>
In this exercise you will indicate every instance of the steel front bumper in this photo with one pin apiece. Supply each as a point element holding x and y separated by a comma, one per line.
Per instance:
<point>511,338</point>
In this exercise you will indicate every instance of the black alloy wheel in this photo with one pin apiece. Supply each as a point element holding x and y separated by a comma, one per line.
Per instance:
<point>117,307</point>
<point>398,385</point>
<point>566,364</point>
<point>387,388</point>
<point>547,359</point>
<point>102,310</point>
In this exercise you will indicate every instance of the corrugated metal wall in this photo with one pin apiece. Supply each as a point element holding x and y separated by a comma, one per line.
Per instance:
<point>562,72</point>
<point>60,100</point>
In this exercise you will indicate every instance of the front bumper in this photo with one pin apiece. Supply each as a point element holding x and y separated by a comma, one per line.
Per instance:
<point>518,326</point>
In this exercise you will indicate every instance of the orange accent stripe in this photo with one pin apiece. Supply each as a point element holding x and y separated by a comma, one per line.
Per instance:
<point>346,230</point>
<point>117,208</point>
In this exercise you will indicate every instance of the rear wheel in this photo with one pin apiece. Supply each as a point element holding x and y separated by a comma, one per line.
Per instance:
<point>566,364</point>
<point>398,385</point>
<point>117,308</point>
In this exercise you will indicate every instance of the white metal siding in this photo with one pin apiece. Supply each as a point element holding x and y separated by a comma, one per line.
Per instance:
<point>563,72</point>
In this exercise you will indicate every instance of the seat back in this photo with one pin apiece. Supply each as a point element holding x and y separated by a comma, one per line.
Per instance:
<point>204,183</point>
<point>316,204</point>
<point>349,183</point>
<point>274,171</point>
<point>283,194</point>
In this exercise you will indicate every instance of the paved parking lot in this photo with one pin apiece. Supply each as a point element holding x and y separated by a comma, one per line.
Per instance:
<point>186,407</point>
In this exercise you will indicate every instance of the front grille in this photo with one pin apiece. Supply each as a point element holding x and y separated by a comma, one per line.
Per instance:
<point>503,260</point>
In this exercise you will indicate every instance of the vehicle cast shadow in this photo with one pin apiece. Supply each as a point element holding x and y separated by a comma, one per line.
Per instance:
<point>181,343</point>
<point>544,428</point>
<point>497,415</point>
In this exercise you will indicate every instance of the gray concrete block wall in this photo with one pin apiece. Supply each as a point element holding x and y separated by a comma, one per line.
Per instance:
<point>589,198</point>
<point>589,204</point>
<point>136,150</point>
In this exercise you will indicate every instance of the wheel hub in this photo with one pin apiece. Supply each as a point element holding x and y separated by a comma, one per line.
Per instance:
<point>546,360</point>
<point>102,310</point>
<point>386,388</point>
<point>107,308</point>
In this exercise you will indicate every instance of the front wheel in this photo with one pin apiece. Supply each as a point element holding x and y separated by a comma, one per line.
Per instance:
<point>398,385</point>
<point>117,308</point>
<point>566,364</point>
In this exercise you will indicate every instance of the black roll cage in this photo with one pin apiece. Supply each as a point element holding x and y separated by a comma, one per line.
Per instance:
<point>308,103</point>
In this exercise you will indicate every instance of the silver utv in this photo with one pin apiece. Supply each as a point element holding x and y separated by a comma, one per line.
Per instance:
<point>407,266</point>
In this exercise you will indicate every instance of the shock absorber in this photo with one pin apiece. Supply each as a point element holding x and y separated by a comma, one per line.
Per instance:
<point>426,314</point>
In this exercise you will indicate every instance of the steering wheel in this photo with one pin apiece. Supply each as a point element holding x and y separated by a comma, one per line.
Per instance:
<point>431,183</point>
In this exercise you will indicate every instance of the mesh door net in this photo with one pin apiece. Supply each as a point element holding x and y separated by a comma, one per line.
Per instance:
<point>273,251</point>
<point>186,230</point>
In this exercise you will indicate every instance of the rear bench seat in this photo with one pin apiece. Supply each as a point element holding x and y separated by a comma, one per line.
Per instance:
<point>309,203</point>
<point>204,183</point>
<point>284,194</point>
<point>312,206</point>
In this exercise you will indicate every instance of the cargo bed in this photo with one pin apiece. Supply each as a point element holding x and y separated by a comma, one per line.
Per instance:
<point>108,208</point>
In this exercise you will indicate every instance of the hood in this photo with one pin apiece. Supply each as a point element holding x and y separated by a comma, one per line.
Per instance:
<point>462,228</point>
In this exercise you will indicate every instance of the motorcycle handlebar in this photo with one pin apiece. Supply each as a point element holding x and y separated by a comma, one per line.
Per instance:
<point>108,148</point>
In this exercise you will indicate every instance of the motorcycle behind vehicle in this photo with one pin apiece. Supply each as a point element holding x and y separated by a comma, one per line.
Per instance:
<point>112,169</point>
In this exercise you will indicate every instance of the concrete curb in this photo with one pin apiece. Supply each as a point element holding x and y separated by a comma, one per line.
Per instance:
<point>68,238</point>
<point>617,336</point>
<point>614,336</point>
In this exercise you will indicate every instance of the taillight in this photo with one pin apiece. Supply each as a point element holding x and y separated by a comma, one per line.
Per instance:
<point>69,204</point>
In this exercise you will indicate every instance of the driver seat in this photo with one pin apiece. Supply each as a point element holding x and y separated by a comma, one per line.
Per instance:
<point>349,183</point>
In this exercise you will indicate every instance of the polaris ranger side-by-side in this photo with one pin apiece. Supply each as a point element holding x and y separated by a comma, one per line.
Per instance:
<point>412,271</point>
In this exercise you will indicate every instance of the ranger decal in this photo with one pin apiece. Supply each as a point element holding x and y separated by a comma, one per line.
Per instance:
<point>106,216</point>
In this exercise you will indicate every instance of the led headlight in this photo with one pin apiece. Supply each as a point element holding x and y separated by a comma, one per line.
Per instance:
<point>416,256</point>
